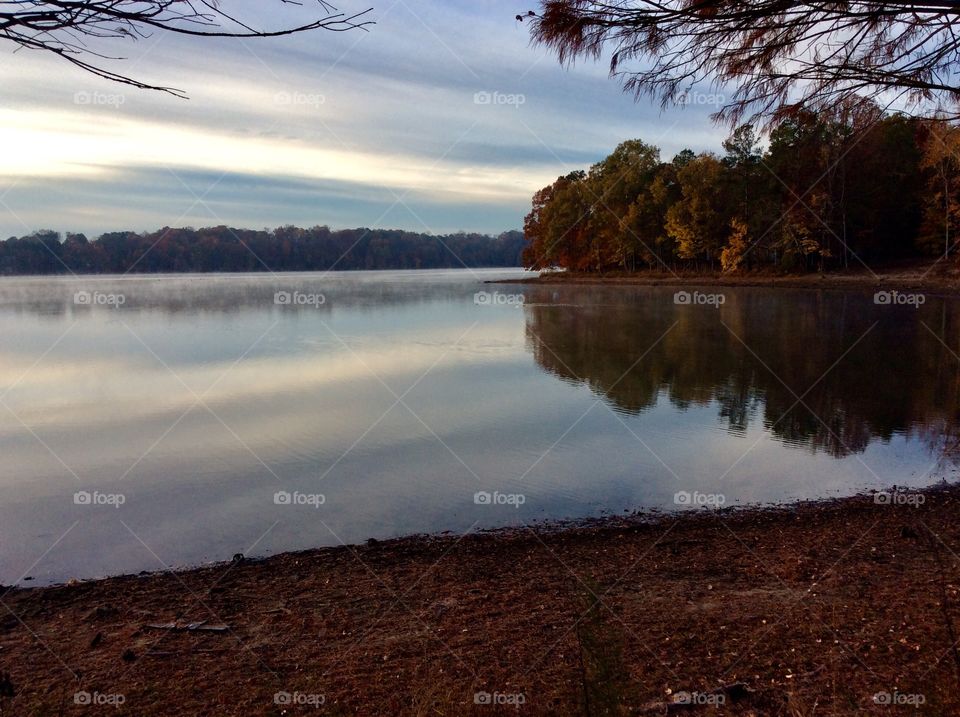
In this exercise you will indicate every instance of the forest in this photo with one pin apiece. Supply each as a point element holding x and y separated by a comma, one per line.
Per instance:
<point>222,249</point>
<point>854,190</point>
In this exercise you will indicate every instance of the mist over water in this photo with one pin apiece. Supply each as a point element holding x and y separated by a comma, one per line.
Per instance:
<point>154,421</point>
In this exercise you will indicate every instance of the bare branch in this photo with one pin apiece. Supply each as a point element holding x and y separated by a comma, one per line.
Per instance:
<point>65,27</point>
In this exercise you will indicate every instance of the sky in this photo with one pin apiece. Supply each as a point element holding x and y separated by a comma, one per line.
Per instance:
<point>442,117</point>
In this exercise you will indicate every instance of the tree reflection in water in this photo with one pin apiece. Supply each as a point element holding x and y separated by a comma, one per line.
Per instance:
<point>825,370</point>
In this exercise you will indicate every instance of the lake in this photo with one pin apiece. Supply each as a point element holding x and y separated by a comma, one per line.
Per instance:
<point>159,421</point>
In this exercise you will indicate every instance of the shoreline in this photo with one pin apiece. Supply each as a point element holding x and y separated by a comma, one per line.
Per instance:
<point>751,610</point>
<point>925,278</point>
<point>597,524</point>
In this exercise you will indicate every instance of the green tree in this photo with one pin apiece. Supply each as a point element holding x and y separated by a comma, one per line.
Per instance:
<point>615,185</point>
<point>699,221</point>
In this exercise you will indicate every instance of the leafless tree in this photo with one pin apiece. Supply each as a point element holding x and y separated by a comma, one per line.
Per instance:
<point>777,56</point>
<point>75,29</point>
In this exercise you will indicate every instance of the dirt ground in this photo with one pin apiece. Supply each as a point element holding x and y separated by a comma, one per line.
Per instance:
<point>846,607</point>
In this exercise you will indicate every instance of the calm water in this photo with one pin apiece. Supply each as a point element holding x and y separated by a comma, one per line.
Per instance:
<point>183,412</point>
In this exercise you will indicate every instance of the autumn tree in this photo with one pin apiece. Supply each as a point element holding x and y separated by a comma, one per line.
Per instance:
<point>941,211</point>
<point>700,220</point>
<point>854,189</point>
<point>777,57</point>
<point>557,225</point>
<point>222,248</point>
<point>733,254</point>
<point>796,160</point>
<point>536,254</point>
<point>615,185</point>
<point>753,197</point>
<point>647,214</point>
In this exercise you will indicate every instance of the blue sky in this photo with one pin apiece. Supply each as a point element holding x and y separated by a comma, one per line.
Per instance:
<point>380,128</point>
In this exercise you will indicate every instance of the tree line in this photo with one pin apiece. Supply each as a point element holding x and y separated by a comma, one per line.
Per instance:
<point>854,190</point>
<point>221,249</point>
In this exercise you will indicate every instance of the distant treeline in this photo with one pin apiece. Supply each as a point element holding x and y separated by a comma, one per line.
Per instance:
<point>839,192</point>
<point>224,249</point>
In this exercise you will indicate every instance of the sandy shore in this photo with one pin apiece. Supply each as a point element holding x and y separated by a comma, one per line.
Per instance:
<point>816,609</point>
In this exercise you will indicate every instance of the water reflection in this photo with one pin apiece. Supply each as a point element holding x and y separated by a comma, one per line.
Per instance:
<point>827,370</point>
<point>200,398</point>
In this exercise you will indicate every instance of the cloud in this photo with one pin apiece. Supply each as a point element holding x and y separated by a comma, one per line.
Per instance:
<point>144,198</point>
<point>320,128</point>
